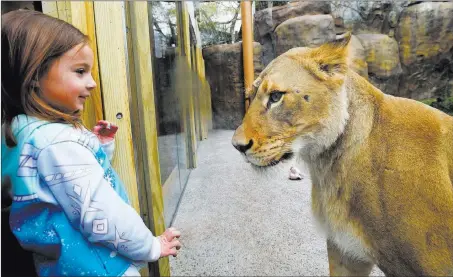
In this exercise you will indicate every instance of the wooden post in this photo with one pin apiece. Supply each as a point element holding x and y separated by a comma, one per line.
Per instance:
<point>58,9</point>
<point>199,89</point>
<point>64,10</point>
<point>196,93</point>
<point>50,8</point>
<point>115,91</point>
<point>147,129</point>
<point>191,134</point>
<point>247,48</point>
<point>136,132</point>
<point>208,93</point>
<point>203,93</point>
<point>188,105</point>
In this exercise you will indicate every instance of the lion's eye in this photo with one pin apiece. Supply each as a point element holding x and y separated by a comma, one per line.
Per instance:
<point>275,96</point>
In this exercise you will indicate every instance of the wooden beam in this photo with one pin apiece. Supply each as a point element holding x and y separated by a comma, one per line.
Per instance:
<point>58,9</point>
<point>135,128</point>
<point>191,134</point>
<point>204,94</point>
<point>146,129</point>
<point>111,43</point>
<point>50,8</point>
<point>182,85</point>
<point>196,93</point>
<point>64,10</point>
<point>207,90</point>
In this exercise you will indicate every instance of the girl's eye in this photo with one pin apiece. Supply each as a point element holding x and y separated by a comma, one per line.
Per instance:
<point>80,71</point>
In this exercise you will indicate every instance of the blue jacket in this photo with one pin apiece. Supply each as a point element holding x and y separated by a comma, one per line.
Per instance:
<point>69,206</point>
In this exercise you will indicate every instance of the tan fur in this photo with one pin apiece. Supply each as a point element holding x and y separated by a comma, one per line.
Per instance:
<point>381,166</point>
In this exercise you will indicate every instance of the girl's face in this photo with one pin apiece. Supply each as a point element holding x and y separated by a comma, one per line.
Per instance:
<point>68,83</point>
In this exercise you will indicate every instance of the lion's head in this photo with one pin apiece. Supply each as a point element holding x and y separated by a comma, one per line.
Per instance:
<point>298,104</point>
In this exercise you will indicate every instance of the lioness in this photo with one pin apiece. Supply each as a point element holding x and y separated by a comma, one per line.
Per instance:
<point>381,166</point>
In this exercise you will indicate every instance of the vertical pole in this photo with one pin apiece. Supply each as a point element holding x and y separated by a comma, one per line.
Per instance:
<point>247,48</point>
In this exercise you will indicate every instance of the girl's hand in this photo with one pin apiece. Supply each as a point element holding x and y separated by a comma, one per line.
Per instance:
<point>169,243</point>
<point>105,131</point>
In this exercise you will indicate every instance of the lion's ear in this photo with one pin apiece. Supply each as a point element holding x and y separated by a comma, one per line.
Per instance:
<point>341,41</point>
<point>332,57</point>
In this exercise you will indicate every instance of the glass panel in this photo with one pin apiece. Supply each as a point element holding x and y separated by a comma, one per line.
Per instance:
<point>171,137</point>
<point>171,96</point>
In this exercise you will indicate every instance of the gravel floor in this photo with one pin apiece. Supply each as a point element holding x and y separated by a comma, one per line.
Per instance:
<point>236,221</point>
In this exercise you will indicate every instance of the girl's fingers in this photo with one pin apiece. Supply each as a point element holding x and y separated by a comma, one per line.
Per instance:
<point>107,125</point>
<point>175,246</point>
<point>175,243</point>
<point>170,247</point>
<point>102,123</point>
<point>173,252</point>
<point>176,234</point>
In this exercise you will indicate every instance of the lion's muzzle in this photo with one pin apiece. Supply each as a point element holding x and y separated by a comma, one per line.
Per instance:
<point>240,142</point>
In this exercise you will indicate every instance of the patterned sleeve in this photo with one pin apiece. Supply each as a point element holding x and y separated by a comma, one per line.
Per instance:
<point>77,182</point>
<point>109,149</point>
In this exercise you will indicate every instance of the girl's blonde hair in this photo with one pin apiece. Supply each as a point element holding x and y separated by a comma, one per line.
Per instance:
<point>31,42</point>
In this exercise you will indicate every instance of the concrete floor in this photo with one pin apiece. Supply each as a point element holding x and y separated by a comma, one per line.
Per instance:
<point>236,221</point>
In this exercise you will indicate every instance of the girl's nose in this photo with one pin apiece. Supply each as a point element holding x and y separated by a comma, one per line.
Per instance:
<point>91,83</point>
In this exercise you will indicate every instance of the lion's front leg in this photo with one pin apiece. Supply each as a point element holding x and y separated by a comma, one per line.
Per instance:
<point>342,265</point>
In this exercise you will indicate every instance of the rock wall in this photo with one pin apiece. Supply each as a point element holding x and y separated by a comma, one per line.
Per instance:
<point>425,36</point>
<point>405,48</point>
<point>268,19</point>
<point>306,30</point>
<point>224,72</point>
<point>408,44</point>
<point>382,57</point>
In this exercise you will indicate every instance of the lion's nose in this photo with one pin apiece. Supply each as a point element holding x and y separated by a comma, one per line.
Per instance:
<point>242,147</point>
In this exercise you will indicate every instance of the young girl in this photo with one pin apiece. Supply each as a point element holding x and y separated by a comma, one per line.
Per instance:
<point>69,206</point>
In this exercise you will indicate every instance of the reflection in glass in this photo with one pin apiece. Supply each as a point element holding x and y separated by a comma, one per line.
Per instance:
<point>171,134</point>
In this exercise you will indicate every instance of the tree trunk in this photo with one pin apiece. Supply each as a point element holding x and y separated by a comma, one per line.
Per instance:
<point>173,32</point>
<point>233,23</point>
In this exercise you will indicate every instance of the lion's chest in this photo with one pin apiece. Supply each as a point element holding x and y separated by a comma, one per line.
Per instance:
<point>331,212</point>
